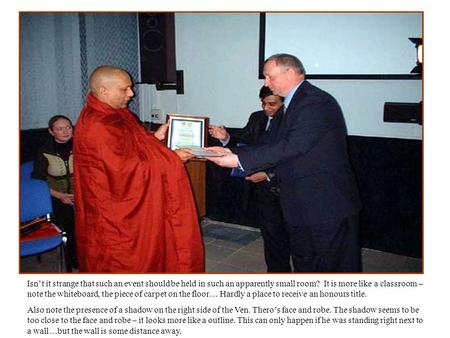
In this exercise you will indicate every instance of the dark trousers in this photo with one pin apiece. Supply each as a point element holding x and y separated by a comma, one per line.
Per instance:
<point>332,247</point>
<point>64,217</point>
<point>273,230</point>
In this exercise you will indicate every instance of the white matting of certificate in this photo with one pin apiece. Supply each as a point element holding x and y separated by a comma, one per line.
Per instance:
<point>186,133</point>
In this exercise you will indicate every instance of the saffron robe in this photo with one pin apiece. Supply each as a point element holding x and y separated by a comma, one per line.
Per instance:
<point>135,211</point>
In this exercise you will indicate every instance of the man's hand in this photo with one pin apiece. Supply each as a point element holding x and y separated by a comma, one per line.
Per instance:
<point>260,176</point>
<point>160,134</point>
<point>219,132</point>
<point>219,150</point>
<point>184,154</point>
<point>228,160</point>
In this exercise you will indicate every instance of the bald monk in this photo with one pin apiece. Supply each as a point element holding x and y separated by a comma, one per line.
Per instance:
<point>135,211</point>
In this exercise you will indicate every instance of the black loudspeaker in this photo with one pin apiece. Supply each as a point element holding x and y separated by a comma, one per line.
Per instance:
<point>403,112</point>
<point>157,47</point>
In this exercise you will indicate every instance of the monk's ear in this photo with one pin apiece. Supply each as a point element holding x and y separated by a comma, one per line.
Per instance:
<point>102,90</point>
<point>51,131</point>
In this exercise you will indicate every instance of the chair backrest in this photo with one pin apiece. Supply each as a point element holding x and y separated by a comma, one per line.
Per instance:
<point>35,200</point>
<point>26,169</point>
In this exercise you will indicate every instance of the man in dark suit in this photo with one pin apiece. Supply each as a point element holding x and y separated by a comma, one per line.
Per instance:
<point>262,125</point>
<point>318,191</point>
<point>258,123</point>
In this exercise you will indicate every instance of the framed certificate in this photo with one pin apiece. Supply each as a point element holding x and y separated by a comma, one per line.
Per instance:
<point>187,131</point>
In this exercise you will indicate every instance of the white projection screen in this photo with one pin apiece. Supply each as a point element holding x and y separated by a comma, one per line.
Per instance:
<point>345,43</point>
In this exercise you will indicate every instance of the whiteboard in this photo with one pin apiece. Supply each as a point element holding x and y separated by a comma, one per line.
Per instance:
<point>346,43</point>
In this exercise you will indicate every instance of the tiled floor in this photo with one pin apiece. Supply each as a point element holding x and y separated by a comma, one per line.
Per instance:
<point>235,248</point>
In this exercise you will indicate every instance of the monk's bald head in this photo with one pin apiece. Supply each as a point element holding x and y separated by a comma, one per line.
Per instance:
<point>104,76</point>
<point>111,85</point>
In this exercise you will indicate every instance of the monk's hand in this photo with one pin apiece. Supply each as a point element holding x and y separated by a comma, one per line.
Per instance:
<point>161,133</point>
<point>184,154</point>
<point>260,176</point>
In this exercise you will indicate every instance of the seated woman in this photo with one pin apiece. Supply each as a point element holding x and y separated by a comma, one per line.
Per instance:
<point>54,163</point>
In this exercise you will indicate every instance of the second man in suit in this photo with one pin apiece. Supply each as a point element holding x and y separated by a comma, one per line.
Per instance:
<point>262,125</point>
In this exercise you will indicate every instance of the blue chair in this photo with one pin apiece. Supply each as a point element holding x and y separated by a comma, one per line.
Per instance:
<point>39,233</point>
<point>26,169</point>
